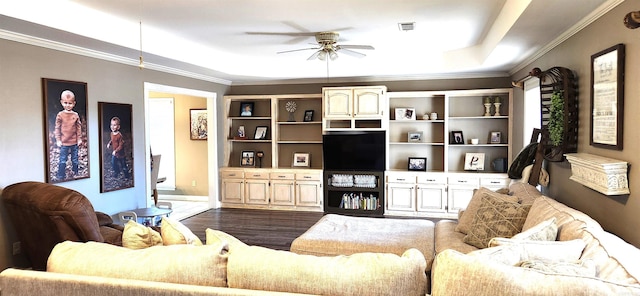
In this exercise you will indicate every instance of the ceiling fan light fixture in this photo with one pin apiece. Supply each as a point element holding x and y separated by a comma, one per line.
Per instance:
<point>333,55</point>
<point>322,55</point>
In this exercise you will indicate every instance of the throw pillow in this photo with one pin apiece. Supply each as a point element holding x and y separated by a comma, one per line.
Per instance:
<point>259,268</point>
<point>174,233</point>
<point>554,251</point>
<point>138,236</point>
<point>581,268</point>
<point>216,237</point>
<point>525,193</point>
<point>546,230</point>
<point>495,217</point>
<point>466,218</point>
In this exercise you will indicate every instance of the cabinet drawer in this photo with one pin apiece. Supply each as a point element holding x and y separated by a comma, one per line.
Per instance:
<point>232,174</point>
<point>464,180</point>
<point>432,179</point>
<point>256,175</point>
<point>401,178</point>
<point>282,176</point>
<point>502,182</point>
<point>308,177</point>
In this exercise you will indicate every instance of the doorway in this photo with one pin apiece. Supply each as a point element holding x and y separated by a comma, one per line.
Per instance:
<point>211,147</point>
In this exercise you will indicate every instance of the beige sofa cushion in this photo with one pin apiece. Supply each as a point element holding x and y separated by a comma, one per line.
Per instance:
<point>214,237</point>
<point>174,233</point>
<point>523,250</point>
<point>544,208</point>
<point>138,236</point>
<point>496,217</point>
<point>260,268</point>
<point>455,273</point>
<point>181,264</point>
<point>525,192</point>
<point>616,259</point>
<point>465,219</point>
<point>446,237</point>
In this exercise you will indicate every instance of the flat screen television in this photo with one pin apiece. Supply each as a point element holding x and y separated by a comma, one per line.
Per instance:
<point>354,151</point>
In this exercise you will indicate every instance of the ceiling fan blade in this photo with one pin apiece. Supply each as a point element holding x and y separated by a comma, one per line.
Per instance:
<point>294,50</point>
<point>292,34</point>
<point>369,47</point>
<point>351,53</point>
<point>314,55</point>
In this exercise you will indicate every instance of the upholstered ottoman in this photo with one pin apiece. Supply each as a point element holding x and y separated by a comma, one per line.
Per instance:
<point>345,235</point>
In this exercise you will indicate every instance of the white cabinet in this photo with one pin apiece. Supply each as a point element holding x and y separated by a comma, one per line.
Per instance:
<point>309,189</point>
<point>347,108</point>
<point>272,188</point>
<point>415,193</point>
<point>462,185</point>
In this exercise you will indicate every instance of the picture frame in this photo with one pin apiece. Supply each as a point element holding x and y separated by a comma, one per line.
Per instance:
<point>116,146</point>
<point>474,162</point>
<point>246,109</point>
<point>405,113</point>
<point>308,116</point>
<point>495,137</point>
<point>417,164</point>
<point>301,159</point>
<point>456,138</point>
<point>260,133</point>
<point>607,98</point>
<point>241,134</point>
<point>198,124</point>
<point>414,137</point>
<point>247,158</point>
<point>65,161</point>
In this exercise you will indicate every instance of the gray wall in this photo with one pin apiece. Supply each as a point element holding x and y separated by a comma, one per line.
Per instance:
<point>617,214</point>
<point>22,149</point>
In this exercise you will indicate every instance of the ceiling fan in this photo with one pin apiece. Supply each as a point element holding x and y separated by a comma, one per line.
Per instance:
<point>328,47</point>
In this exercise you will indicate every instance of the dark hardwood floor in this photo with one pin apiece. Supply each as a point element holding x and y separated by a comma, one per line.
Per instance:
<point>267,228</point>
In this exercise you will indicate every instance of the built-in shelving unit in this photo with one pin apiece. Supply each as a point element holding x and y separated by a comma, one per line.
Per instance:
<point>351,198</point>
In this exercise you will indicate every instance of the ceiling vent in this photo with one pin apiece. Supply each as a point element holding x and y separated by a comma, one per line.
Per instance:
<point>404,27</point>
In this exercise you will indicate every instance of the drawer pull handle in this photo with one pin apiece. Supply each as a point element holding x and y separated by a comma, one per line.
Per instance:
<point>431,180</point>
<point>256,175</point>
<point>282,176</point>
<point>495,182</point>
<point>232,175</point>
<point>399,179</point>
<point>307,177</point>
<point>462,181</point>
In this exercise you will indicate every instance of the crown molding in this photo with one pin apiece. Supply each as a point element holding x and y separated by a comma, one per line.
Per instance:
<point>45,43</point>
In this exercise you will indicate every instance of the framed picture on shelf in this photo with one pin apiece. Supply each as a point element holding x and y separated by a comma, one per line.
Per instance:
<point>261,133</point>
<point>417,164</point>
<point>414,137</point>
<point>198,126</point>
<point>301,159</point>
<point>474,162</point>
<point>308,116</point>
<point>246,109</point>
<point>495,138</point>
<point>247,159</point>
<point>456,137</point>
<point>405,113</point>
<point>240,133</point>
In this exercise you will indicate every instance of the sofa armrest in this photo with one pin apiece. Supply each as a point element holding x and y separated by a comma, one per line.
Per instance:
<point>454,273</point>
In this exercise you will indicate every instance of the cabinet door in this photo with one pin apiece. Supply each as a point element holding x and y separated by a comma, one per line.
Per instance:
<point>257,191</point>
<point>367,102</point>
<point>308,193</point>
<point>232,190</point>
<point>337,103</point>
<point>400,197</point>
<point>459,197</point>
<point>431,198</point>
<point>282,192</point>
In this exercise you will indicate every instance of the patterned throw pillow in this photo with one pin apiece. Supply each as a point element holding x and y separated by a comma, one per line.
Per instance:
<point>546,230</point>
<point>465,220</point>
<point>496,217</point>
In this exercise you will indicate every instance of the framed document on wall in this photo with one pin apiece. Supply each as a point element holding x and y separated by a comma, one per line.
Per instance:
<point>607,98</point>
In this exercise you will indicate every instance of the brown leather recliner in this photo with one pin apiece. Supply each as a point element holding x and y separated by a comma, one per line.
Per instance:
<point>45,215</point>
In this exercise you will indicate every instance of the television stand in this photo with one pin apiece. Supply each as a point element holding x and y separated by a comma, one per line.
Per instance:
<point>356,193</point>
